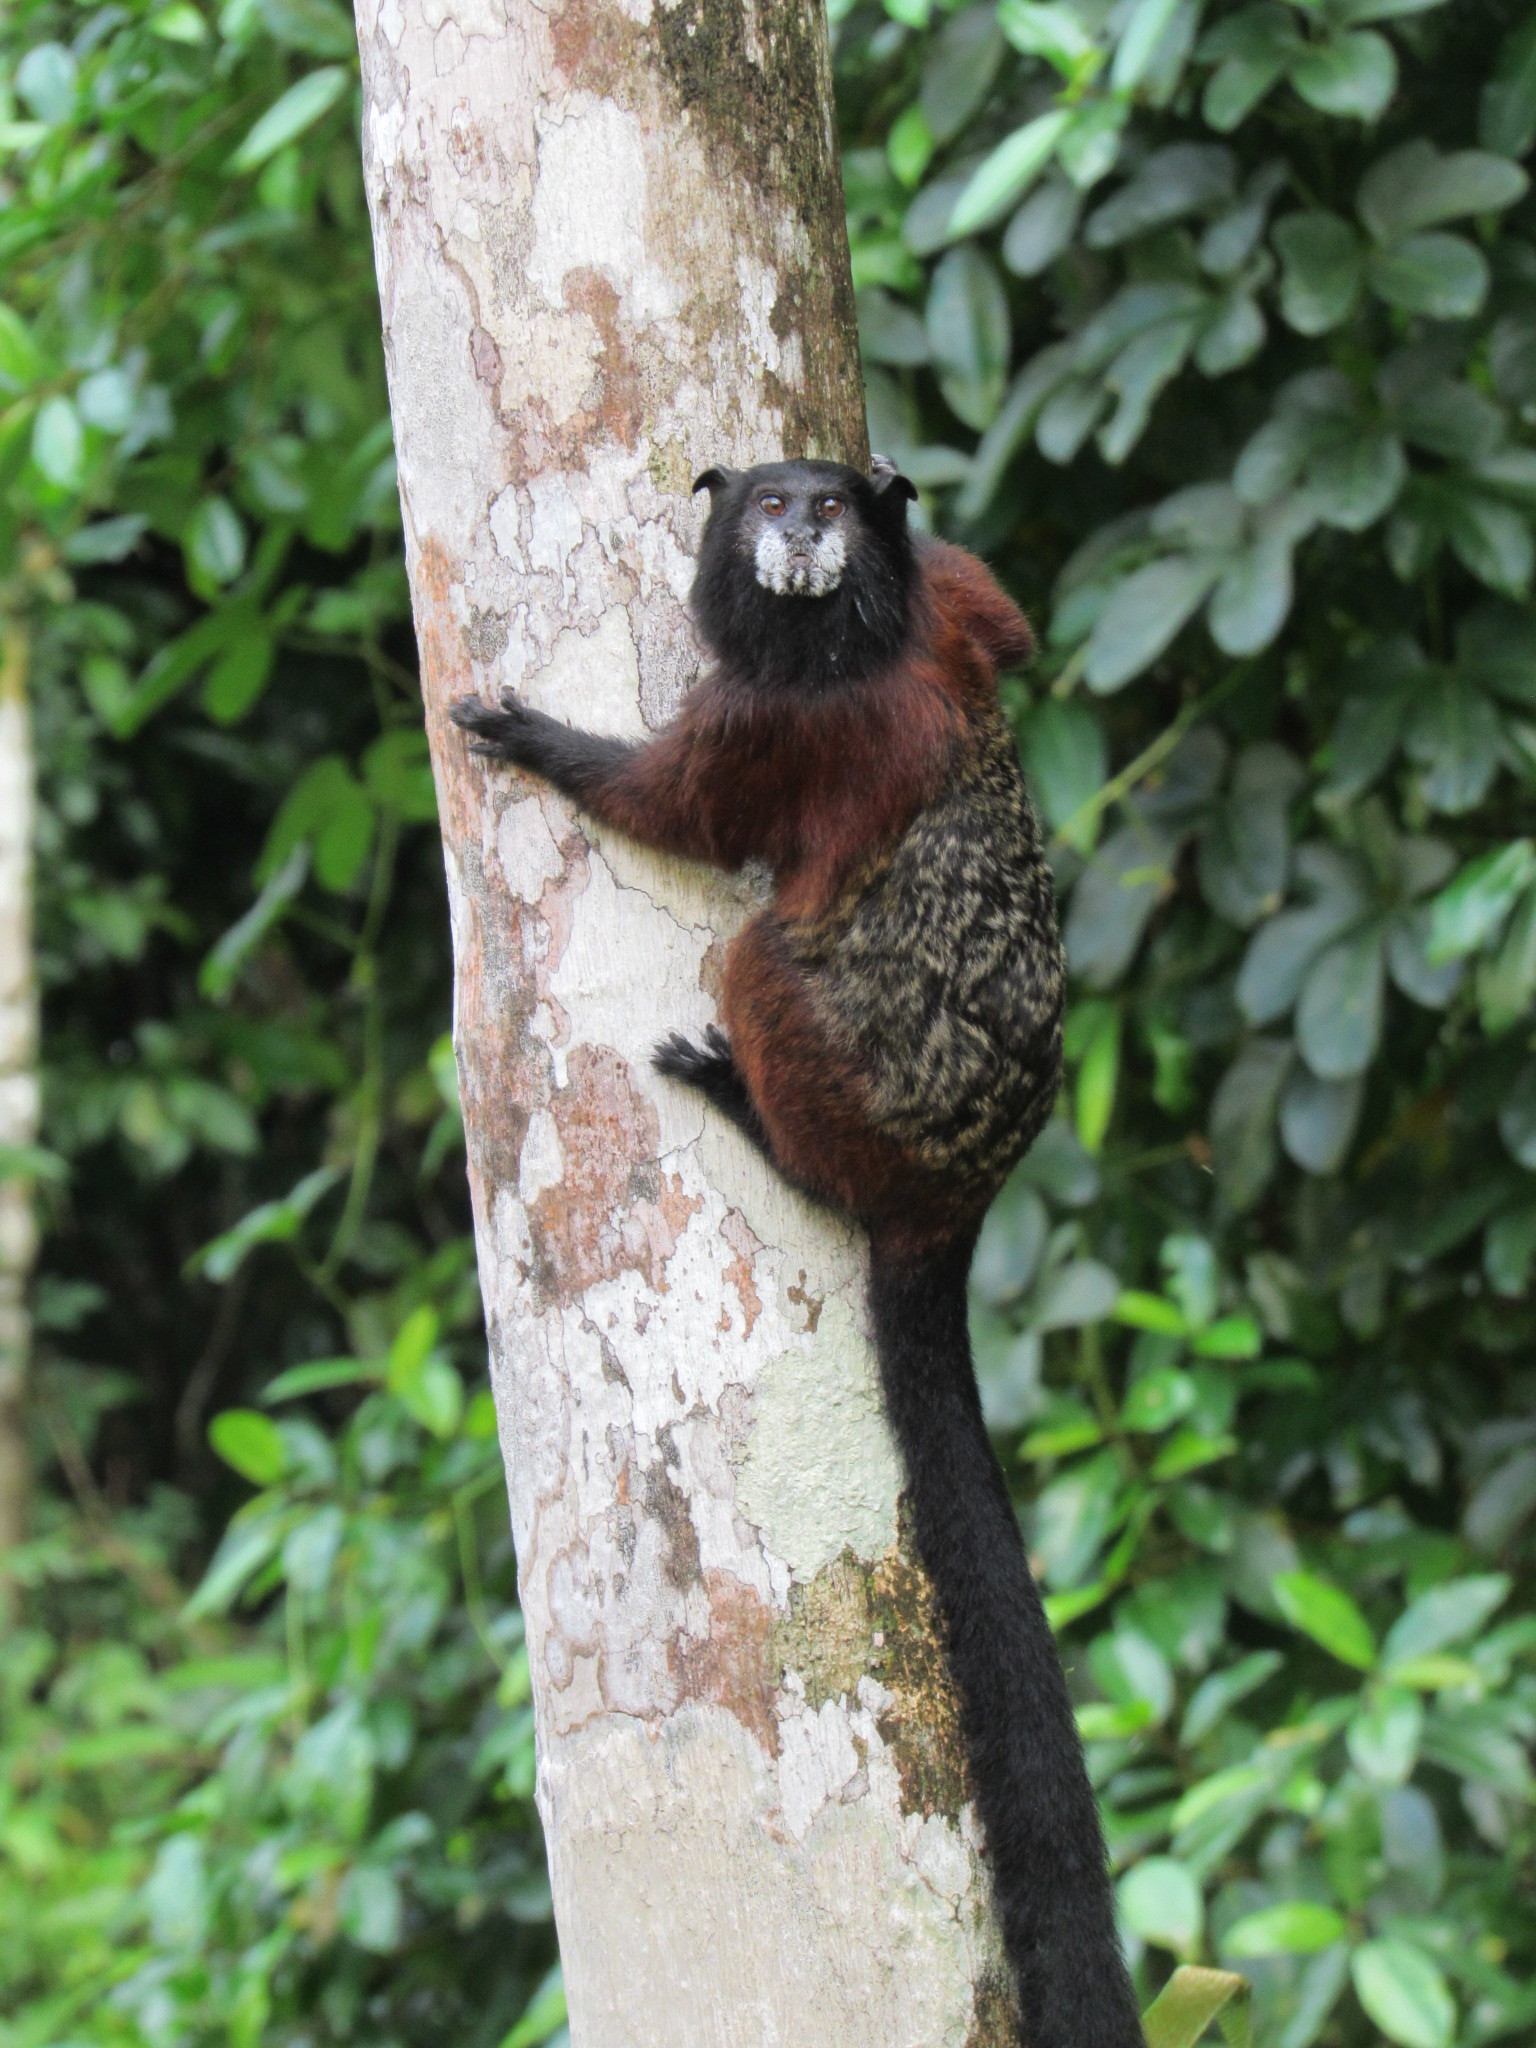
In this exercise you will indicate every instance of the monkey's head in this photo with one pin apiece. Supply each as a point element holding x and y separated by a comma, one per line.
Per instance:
<point>805,571</point>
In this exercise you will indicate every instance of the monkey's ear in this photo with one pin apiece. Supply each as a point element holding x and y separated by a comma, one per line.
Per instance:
<point>885,476</point>
<point>713,480</point>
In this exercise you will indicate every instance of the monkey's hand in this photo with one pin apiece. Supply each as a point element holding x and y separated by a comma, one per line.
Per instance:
<point>514,733</point>
<point>580,764</point>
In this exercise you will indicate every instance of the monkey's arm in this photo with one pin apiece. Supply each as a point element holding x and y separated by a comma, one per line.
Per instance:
<point>640,788</point>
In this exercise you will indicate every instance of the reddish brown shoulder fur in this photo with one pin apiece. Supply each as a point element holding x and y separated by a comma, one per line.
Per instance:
<point>963,590</point>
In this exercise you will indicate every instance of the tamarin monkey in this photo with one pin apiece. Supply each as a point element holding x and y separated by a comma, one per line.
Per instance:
<point>892,1042</point>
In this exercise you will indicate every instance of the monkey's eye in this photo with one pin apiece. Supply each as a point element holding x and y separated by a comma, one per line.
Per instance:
<point>771,503</point>
<point>830,508</point>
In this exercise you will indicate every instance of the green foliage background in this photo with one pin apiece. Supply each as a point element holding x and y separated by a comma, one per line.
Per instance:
<point>1214,327</point>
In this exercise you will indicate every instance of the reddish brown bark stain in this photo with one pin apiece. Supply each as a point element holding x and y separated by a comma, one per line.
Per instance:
<point>811,1303</point>
<point>608,1215</point>
<point>738,1274</point>
<point>594,44</point>
<point>712,970</point>
<point>732,1667</point>
<point>620,406</point>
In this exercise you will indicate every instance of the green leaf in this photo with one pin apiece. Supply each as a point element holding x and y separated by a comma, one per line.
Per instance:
<point>370,1910</point>
<point>1242,1122</point>
<point>1442,277</point>
<point>1471,911</point>
<point>1453,734</point>
<point>1141,1311</point>
<point>1082,1291</point>
<point>1142,617</point>
<point>331,810</point>
<point>268,1223</point>
<point>1350,75</point>
<point>1184,178</point>
<point>1318,1119</point>
<point>58,442</point>
<point>421,1378</point>
<point>1215,1696</point>
<point>1493,540</point>
<point>1338,1016</point>
<point>1245,850</point>
<point>1143,31</point>
<point>238,678</point>
<point>1229,1337</point>
<point>1188,2003</point>
<point>959,70</point>
<point>1157,1400</point>
<point>910,145</point>
<point>1327,1614</point>
<point>299,108</point>
<point>1051,32</point>
<point>215,542</point>
<point>21,363</point>
<point>1042,228</point>
<point>1068,762</point>
<point>318,1377</point>
<point>46,79</point>
<point>244,1549</point>
<point>178,23</point>
<point>1001,179</point>
<point>1473,1740</point>
<point>1234,336</point>
<point>1321,270</point>
<point>1383,1738</point>
<point>1240,81</point>
<point>1417,187</point>
<point>1073,1517</point>
<point>1097,1080</point>
<point>1506,984</point>
<point>968,333</point>
<point>1298,1928</point>
<point>1113,902</point>
<point>177,1894</point>
<point>1191,1450</point>
<point>221,969</point>
<point>105,540</point>
<point>1160,1900</point>
<point>1097,1721</point>
<point>251,1443</point>
<point>1403,1991</point>
<point>1447,1613</point>
<point>1136,375</point>
<point>1251,602</point>
<point>1507,116</point>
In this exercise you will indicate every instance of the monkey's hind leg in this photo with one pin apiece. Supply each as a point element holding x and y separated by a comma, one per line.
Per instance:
<point>711,1069</point>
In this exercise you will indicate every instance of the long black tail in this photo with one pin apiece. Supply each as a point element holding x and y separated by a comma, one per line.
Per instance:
<point>1049,1870</point>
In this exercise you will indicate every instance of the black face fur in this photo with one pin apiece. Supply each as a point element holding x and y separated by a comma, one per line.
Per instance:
<point>805,573</point>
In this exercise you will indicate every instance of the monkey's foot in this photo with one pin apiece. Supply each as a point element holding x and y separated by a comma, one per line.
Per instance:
<point>711,1069</point>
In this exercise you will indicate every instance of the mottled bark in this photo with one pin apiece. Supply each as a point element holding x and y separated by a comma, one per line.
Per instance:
<point>611,252</point>
<point>18,1075</point>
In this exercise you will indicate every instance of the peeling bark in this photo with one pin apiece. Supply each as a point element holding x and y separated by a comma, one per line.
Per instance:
<point>611,252</point>
<point>18,1077</point>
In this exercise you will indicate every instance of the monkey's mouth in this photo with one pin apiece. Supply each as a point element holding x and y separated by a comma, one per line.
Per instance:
<point>797,568</point>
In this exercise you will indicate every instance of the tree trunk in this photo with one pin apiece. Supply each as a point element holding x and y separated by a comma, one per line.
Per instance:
<point>18,1076</point>
<point>611,252</point>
